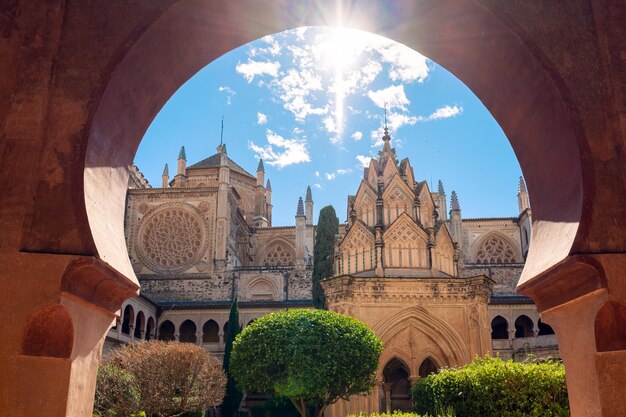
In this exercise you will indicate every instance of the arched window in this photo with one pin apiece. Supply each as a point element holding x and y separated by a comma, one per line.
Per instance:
<point>495,250</point>
<point>150,329</point>
<point>139,325</point>
<point>499,328</point>
<point>523,327</point>
<point>167,330</point>
<point>187,332</point>
<point>398,386</point>
<point>429,366</point>
<point>544,329</point>
<point>210,332</point>
<point>129,319</point>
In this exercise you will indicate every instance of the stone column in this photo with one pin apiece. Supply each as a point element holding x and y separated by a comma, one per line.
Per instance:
<point>570,297</point>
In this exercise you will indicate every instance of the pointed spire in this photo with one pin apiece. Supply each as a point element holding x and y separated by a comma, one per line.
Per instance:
<point>300,211</point>
<point>454,203</point>
<point>521,187</point>
<point>440,189</point>
<point>260,167</point>
<point>182,154</point>
<point>222,132</point>
<point>166,171</point>
<point>268,186</point>
<point>309,196</point>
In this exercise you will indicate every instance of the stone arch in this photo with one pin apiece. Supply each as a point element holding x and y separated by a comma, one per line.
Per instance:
<point>610,327</point>
<point>50,332</point>
<point>187,332</point>
<point>150,329</point>
<point>278,252</point>
<point>499,328</point>
<point>453,348</point>
<point>261,288</point>
<point>140,324</point>
<point>397,385</point>
<point>167,331</point>
<point>494,248</point>
<point>210,332</point>
<point>544,329</point>
<point>428,366</point>
<point>128,320</point>
<point>523,326</point>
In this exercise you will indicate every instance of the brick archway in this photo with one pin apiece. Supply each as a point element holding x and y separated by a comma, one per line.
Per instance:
<point>83,82</point>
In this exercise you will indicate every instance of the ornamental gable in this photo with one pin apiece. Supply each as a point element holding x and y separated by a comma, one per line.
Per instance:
<point>372,173</point>
<point>390,171</point>
<point>397,199</point>
<point>365,204</point>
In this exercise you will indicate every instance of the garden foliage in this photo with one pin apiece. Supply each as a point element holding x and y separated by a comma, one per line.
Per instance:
<point>117,392</point>
<point>491,387</point>
<point>323,251</point>
<point>233,397</point>
<point>312,357</point>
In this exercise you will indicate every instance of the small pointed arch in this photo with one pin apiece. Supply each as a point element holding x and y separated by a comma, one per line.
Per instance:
<point>523,327</point>
<point>499,328</point>
<point>260,288</point>
<point>128,319</point>
<point>544,329</point>
<point>396,375</point>
<point>427,367</point>
<point>496,248</point>
<point>150,329</point>
<point>610,330</point>
<point>210,332</point>
<point>49,332</point>
<point>187,332</point>
<point>140,324</point>
<point>167,331</point>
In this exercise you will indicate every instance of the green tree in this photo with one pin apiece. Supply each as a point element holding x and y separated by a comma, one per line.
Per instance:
<point>323,251</point>
<point>233,395</point>
<point>312,357</point>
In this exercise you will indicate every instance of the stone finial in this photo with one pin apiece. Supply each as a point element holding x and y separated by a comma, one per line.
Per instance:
<point>440,189</point>
<point>182,154</point>
<point>166,171</point>
<point>260,167</point>
<point>309,196</point>
<point>222,148</point>
<point>521,187</point>
<point>300,211</point>
<point>454,203</point>
<point>268,186</point>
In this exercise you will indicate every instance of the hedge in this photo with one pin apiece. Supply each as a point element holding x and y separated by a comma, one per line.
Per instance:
<point>491,387</point>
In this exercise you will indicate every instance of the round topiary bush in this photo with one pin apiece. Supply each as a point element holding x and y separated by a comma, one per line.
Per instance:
<point>491,387</point>
<point>311,357</point>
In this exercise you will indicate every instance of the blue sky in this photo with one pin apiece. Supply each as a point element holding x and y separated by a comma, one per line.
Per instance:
<point>310,102</point>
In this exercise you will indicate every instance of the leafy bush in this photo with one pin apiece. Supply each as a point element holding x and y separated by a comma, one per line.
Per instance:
<point>397,414</point>
<point>117,392</point>
<point>312,357</point>
<point>491,387</point>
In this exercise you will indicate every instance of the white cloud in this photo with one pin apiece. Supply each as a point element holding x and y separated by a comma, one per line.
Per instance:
<point>407,65</point>
<point>261,118</point>
<point>330,176</point>
<point>281,152</point>
<point>230,93</point>
<point>392,97</point>
<point>317,174</point>
<point>357,135</point>
<point>343,171</point>
<point>273,47</point>
<point>329,125</point>
<point>253,68</point>
<point>364,160</point>
<point>318,186</point>
<point>446,112</point>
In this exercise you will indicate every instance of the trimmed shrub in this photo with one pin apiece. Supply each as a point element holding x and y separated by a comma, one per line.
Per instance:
<point>491,387</point>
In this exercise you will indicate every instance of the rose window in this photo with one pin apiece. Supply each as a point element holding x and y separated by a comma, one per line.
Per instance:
<point>279,256</point>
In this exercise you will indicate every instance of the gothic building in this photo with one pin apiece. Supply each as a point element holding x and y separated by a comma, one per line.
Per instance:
<point>436,287</point>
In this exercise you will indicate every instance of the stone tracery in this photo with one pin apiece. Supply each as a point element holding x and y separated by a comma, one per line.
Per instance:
<point>495,250</point>
<point>279,255</point>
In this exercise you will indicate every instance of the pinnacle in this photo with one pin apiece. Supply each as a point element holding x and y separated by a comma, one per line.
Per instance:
<point>454,203</point>
<point>260,167</point>
<point>182,154</point>
<point>440,190</point>
<point>300,211</point>
<point>309,196</point>
<point>268,186</point>
<point>166,171</point>
<point>521,187</point>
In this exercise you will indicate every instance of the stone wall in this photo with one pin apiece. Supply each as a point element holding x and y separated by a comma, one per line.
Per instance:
<point>505,276</point>
<point>187,287</point>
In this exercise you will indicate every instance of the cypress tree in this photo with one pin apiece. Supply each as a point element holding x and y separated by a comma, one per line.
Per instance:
<point>233,396</point>
<point>323,251</point>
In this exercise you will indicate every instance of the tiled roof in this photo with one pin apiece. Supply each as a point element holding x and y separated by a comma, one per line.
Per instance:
<point>213,161</point>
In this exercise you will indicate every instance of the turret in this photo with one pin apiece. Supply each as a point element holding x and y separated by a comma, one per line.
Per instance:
<point>180,180</point>
<point>268,202</point>
<point>300,234</point>
<point>260,174</point>
<point>443,212</point>
<point>165,177</point>
<point>455,220</point>
<point>523,201</point>
<point>309,206</point>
